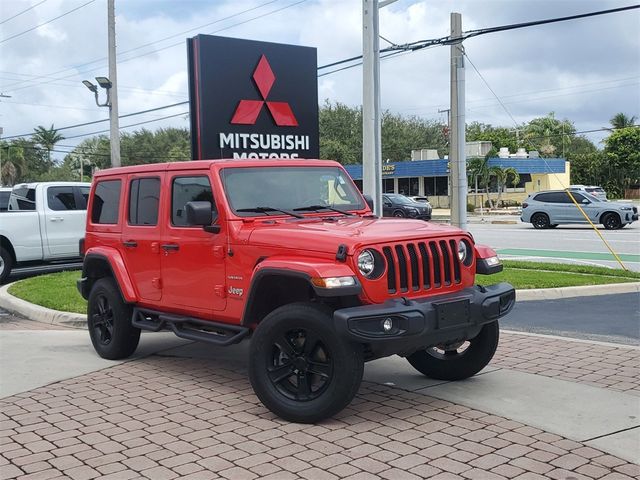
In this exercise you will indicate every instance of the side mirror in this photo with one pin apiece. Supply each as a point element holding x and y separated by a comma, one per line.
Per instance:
<point>200,213</point>
<point>369,200</point>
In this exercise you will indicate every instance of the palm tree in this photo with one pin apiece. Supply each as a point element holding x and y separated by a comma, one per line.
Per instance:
<point>47,138</point>
<point>620,120</point>
<point>13,166</point>
<point>543,131</point>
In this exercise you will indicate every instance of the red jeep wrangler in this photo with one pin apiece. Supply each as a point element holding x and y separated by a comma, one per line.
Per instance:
<point>287,252</point>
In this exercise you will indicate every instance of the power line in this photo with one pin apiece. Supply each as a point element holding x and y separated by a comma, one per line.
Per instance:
<point>23,11</point>
<point>45,23</point>
<point>491,89</point>
<point>129,126</point>
<point>391,51</point>
<point>160,49</point>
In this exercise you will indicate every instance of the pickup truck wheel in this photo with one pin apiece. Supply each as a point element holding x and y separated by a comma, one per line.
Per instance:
<point>6,263</point>
<point>109,321</point>
<point>460,360</point>
<point>298,366</point>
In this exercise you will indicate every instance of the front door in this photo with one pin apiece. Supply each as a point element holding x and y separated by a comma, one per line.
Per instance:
<point>192,259</point>
<point>141,234</point>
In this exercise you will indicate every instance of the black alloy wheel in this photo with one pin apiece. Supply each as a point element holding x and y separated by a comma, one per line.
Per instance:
<point>611,221</point>
<point>102,320</point>
<point>301,365</point>
<point>540,220</point>
<point>399,214</point>
<point>298,366</point>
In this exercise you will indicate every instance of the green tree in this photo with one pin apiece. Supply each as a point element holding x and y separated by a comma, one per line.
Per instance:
<point>13,165</point>
<point>47,139</point>
<point>622,160</point>
<point>620,120</point>
<point>549,135</point>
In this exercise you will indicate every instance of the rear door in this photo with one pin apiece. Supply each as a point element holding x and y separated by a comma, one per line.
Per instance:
<point>64,219</point>
<point>141,232</point>
<point>193,271</point>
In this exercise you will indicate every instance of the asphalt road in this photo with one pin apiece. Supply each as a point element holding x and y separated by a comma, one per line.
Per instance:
<point>566,243</point>
<point>607,318</point>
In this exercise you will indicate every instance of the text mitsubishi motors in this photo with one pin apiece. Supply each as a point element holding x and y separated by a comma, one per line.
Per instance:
<point>252,99</point>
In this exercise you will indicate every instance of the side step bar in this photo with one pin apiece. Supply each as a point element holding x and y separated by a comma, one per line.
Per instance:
<point>221,334</point>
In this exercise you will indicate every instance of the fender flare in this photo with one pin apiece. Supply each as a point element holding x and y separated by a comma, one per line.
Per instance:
<point>114,260</point>
<point>304,270</point>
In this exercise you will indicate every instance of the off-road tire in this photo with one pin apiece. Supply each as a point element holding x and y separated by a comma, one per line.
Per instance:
<point>109,321</point>
<point>6,264</point>
<point>458,366</point>
<point>540,220</point>
<point>280,379</point>
<point>611,221</point>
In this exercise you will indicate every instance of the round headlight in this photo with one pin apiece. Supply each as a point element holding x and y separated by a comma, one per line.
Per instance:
<point>463,251</point>
<point>366,263</point>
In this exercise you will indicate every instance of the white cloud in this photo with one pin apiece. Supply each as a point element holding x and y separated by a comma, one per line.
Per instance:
<point>586,70</point>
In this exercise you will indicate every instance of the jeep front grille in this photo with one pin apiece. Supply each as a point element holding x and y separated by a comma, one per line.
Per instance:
<point>419,266</point>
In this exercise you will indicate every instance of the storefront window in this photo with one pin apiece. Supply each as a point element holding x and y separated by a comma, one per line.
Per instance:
<point>442,186</point>
<point>388,185</point>
<point>409,186</point>
<point>429,185</point>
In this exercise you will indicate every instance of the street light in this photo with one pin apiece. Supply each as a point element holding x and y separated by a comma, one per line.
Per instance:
<point>105,83</point>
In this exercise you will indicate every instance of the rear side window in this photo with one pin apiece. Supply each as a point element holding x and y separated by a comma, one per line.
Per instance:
<point>84,191</point>
<point>189,189</point>
<point>144,197</point>
<point>553,197</point>
<point>106,202</point>
<point>61,198</point>
<point>22,199</point>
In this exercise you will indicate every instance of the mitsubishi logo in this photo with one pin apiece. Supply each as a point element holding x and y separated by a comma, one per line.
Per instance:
<point>248,110</point>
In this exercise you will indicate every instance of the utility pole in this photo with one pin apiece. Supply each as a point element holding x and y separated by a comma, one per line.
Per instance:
<point>371,122</point>
<point>457,154</point>
<point>114,134</point>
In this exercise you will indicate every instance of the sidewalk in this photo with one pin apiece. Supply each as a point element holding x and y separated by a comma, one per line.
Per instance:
<point>546,407</point>
<point>509,217</point>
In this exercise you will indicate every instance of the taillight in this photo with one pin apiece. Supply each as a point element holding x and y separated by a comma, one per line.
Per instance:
<point>81,247</point>
<point>525,205</point>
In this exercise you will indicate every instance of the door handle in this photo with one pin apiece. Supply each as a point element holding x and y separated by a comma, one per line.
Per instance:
<point>130,244</point>
<point>56,219</point>
<point>167,247</point>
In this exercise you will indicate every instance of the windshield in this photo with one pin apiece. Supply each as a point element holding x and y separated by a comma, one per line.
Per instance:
<point>591,197</point>
<point>288,188</point>
<point>401,199</point>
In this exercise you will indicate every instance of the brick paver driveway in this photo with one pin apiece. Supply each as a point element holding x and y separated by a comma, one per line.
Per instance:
<point>167,417</point>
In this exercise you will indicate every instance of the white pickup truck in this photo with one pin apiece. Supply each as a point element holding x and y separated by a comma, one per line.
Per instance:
<point>44,222</point>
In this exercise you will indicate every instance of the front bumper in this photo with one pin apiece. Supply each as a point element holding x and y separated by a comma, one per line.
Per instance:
<point>424,322</point>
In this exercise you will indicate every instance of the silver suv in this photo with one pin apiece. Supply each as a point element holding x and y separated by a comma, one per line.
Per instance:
<point>597,192</point>
<point>551,208</point>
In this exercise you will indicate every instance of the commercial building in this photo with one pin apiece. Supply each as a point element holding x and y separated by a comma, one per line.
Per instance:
<point>431,177</point>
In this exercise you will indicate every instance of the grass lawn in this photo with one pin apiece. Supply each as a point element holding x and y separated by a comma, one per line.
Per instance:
<point>55,290</point>
<point>58,290</point>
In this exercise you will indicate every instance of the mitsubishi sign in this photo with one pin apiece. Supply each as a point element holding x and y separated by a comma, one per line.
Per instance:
<point>252,99</point>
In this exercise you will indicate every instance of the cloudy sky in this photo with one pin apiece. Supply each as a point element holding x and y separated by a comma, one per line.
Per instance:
<point>585,70</point>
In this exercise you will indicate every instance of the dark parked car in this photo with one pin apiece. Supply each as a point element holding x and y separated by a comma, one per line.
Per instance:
<point>396,205</point>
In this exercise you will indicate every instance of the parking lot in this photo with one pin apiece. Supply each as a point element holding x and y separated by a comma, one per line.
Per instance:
<point>187,411</point>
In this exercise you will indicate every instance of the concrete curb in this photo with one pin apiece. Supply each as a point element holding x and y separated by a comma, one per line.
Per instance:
<point>580,291</point>
<point>76,320</point>
<point>38,313</point>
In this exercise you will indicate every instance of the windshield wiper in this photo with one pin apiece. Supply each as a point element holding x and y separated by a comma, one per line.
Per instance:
<point>266,211</point>
<point>315,208</point>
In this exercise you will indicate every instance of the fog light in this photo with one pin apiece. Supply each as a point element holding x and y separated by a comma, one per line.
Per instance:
<point>387,325</point>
